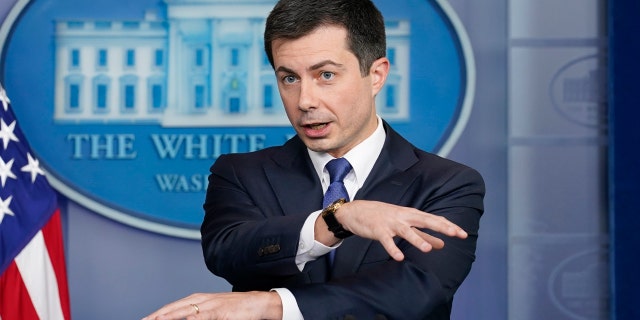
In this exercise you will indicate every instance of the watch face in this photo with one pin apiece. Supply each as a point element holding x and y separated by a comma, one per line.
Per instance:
<point>331,208</point>
<point>336,204</point>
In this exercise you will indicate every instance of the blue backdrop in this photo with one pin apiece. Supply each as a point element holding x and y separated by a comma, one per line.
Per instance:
<point>536,134</point>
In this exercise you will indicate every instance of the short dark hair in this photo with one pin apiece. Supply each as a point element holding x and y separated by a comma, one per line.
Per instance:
<point>293,19</point>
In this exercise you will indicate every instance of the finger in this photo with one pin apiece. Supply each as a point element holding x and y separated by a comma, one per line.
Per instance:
<point>440,224</point>
<point>392,249</point>
<point>435,242</point>
<point>183,312</point>
<point>175,310</point>
<point>412,235</point>
<point>164,310</point>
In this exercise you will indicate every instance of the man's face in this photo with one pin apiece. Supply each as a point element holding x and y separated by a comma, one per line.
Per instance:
<point>328,102</point>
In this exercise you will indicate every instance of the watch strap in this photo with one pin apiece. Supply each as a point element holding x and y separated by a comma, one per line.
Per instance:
<point>328,214</point>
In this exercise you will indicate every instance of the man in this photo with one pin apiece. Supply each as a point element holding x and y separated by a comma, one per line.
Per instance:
<point>266,229</point>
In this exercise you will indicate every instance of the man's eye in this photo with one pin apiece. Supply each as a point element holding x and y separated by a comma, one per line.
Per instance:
<point>327,75</point>
<point>289,79</point>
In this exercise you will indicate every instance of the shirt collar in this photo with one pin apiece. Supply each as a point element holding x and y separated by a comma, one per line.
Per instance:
<point>362,157</point>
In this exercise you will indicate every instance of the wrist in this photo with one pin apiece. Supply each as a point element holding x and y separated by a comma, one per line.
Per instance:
<point>272,305</point>
<point>333,225</point>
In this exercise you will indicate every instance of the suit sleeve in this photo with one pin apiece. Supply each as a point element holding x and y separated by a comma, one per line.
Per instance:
<point>247,240</point>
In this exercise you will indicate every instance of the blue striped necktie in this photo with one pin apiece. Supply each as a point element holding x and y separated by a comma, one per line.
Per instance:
<point>338,169</point>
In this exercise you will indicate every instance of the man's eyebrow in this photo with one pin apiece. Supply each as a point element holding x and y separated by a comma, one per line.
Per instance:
<point>313,67</point>
<point>284,69</point>
<point>324,63</point>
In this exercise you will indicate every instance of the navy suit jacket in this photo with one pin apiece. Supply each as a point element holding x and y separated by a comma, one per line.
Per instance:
<point>256,205</point>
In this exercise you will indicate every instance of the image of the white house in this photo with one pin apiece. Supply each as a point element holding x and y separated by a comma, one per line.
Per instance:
<point>194,63</point>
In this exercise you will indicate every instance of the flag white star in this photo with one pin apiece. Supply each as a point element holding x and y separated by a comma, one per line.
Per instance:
<point>5,171</point>
<point>33,167</point>
<point>6,133</point>
<point>4,208</point>
<point>4,99</point>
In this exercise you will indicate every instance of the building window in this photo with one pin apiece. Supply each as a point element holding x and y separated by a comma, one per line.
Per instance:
<point>75,25</point>
<point>102,58</point>
<point>156,97</point>
<point>130,25</point>
<point>158,59</point>
<point>235,57</point>
<point>101,97</point>
<point>129,96</point>
<point>199,97</point>
<point>391,55</point>
<point>75,58</point>
<point>234,105</point>
<point>392,24</point>
<point>268,96</point>
<point>391,97</point>
<point>74,96</point>
<point>128,92</point>
<point>73,93</point>
<point>199,57</point>
<point>130,58</point>
<point>156,94</point>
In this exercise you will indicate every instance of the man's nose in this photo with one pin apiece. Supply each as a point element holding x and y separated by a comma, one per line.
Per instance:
<point>308,95</point>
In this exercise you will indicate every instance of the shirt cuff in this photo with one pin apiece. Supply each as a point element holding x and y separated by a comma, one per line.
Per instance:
<point>308,248</point>
<point>290,309</point>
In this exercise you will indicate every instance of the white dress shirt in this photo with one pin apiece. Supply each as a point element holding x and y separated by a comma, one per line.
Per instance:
<point>362,158</point>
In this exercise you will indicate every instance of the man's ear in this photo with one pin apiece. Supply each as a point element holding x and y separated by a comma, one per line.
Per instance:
<point>379,71</point>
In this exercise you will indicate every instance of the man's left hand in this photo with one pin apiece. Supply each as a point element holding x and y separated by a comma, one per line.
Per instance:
<point>232,305</point>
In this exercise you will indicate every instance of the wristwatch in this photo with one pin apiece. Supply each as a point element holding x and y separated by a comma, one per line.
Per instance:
<point>328,214</point>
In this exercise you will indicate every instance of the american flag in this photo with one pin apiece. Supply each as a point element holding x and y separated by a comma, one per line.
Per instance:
<point>33,279</point>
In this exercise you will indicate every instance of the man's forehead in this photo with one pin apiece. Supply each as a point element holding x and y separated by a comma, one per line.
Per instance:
<point>312,51</point>
<point>332,31</point>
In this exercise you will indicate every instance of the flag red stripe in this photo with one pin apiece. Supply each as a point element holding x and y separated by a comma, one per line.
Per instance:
<point>15,302</point>
<point>52,233</point>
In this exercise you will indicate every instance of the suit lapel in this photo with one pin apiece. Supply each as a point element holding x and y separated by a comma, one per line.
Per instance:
<point>387,182</point>
<point>293,179</point>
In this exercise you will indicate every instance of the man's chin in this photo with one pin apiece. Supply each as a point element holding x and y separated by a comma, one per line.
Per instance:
<point>324,147</point>
<point>317,145</point>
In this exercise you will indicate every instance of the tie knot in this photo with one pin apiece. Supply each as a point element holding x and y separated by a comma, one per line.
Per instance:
<point>338,169</point>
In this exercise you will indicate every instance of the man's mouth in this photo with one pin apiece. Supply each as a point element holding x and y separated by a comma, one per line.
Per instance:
<point>316,126</point>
